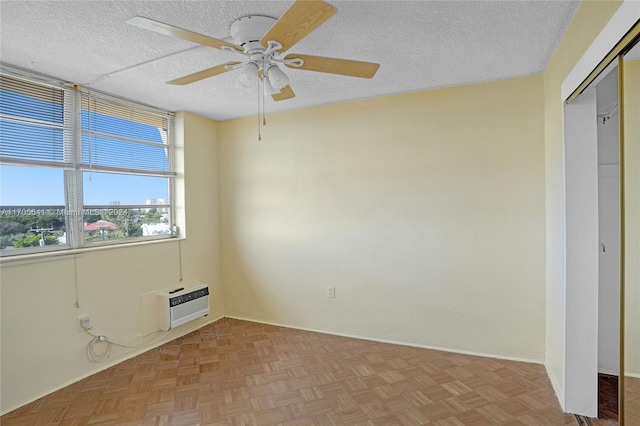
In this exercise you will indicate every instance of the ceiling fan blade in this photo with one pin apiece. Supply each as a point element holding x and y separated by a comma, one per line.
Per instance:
<point>335,66</point>
<point>170,30</point>
<point>298,21</point>
<point>285,93</point>
<point>201,75</point>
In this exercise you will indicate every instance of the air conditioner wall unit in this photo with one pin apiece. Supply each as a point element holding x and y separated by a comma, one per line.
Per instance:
<point>182,306</point>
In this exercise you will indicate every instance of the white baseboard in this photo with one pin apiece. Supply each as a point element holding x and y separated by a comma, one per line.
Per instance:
<point>555,385</point>
<point>393,342</point>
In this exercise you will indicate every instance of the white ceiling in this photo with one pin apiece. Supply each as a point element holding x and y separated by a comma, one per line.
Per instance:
<point>419,44</point>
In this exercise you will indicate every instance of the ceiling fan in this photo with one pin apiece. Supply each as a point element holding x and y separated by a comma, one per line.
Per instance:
<point>263,41</point>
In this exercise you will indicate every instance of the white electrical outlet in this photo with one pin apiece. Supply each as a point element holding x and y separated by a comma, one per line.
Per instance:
<point>331,292</point>
<point>83,322</point>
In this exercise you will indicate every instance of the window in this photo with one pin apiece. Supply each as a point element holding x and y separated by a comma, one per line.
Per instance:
<point>80,168</point>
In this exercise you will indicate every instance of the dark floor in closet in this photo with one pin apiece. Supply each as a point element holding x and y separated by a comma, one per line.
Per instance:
<point>608,397</point>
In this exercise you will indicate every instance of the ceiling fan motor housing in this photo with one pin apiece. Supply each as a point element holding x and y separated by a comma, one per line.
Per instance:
<point>248,30</point>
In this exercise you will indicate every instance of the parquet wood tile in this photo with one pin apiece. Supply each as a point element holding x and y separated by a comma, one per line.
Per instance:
<point>242,373</point>
<point>632,400</point>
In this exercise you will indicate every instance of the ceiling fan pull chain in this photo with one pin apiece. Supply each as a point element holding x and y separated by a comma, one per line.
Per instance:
<point>264,81</point>
<point>259,135</point>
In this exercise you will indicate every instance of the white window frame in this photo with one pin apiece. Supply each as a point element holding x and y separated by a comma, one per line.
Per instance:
<point>73,172</point>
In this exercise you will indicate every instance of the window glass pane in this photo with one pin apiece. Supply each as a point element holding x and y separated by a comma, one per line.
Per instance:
<point>106,189</point>
<point>32,206</point>
<point>117,223</point>
<point>106,212</point>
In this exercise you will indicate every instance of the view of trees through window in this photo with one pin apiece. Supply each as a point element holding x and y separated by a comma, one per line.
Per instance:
<point>32,226</point>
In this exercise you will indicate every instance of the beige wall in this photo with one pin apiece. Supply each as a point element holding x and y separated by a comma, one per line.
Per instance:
<point>41,349</point>
<point>424,210</point>
<point>589,20</point>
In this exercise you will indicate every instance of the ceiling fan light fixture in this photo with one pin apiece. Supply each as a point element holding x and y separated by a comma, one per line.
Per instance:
<point>277,78</point>
<point>248,74</point>
<point>269,90</point>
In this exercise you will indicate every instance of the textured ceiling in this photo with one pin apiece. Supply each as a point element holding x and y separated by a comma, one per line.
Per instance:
<point>419,44</point>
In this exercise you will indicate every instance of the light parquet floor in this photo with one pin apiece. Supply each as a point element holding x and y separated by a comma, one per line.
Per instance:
<point>632,400</point>
<point>242,373</point>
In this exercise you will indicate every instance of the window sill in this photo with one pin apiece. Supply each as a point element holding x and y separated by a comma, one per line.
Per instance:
<point>20,259</point>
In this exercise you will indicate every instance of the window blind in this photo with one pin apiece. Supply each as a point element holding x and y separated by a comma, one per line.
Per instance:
<point>35,124</point>
<point>121,138</point>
